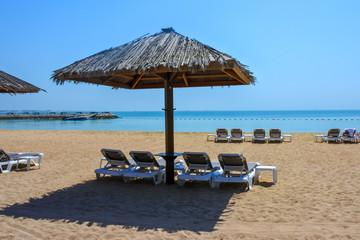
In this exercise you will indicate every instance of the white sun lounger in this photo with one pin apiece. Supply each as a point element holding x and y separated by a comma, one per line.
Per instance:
<point>259,135</point>
<point>199,168</point>
<point>236,135</point>
<point>235,170</point>
<point>11,159</point>
<point>221,135</point>
<point>275,135</point>
<point>117,163</point>
<point>333,135</point>
<point>146,167</point>
<point>6,163</point>
<point>349,135</point>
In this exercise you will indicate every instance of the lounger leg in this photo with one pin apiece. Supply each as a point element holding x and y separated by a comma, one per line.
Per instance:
<point>40,159</point>
<point>28,164</point>
<point>160,176</point>
<point>214,184</point>
<point>180,182</point>
<point>257,176</point>
<point>127,179</point>
<point>274,176</point>
<point>8,168</point>
<point>250,183</point>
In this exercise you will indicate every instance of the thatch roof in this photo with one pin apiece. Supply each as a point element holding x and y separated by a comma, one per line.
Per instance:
<point>138,64</point>
<point>12,85</point>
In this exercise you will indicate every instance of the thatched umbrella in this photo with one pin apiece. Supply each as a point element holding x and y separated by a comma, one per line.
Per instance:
<point>163,60</point>
<point>12,85</point>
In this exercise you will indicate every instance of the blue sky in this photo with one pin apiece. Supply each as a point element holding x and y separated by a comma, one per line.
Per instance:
<point>305,54</point>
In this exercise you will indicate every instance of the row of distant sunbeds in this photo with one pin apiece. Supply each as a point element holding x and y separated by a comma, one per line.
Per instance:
<point>333,135</point>
<point>8,160</point>
<point>259,135</point>
<point>197,167</point>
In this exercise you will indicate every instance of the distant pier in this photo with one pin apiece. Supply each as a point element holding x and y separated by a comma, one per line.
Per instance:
<point>55,116</point>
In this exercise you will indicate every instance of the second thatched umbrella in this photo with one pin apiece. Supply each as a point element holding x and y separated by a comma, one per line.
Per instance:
<point>163,60</point>
<point>13,85</point>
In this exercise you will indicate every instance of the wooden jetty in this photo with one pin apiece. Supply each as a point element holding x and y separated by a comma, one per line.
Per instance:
<point>56,116</point>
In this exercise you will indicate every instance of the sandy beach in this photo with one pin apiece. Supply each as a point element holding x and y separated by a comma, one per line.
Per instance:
<point>317,195</point>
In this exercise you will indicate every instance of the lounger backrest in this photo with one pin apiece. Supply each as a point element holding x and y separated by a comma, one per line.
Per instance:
<point>346,133</point>
<point>232,162</point>
<point>221,132</point>
<point>334,132</point>
<point>235,162</point>
<point>3,156</point>
<point>115,157</point>
<point>236,132</point>
<point>275,133</point>
<point>259,133</point>
<point>144,159</point>
<point>197,160</point>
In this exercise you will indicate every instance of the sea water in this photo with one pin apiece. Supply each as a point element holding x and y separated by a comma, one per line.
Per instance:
<point>203,121</point>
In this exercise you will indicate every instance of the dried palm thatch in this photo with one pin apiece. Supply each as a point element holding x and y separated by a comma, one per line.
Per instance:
<point>138,64</point>
<point>13,85</point>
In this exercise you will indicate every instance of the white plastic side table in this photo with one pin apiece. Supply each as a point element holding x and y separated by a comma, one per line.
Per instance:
<point>288,136</point>
<point>320,137</point>
<point>258,170</point>
<point>209,136</point>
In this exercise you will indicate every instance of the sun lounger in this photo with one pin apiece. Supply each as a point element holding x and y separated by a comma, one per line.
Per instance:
<point>259,135</point>
<point>221,135</point>
<point>236,135</point>
<point>349,135</point>
<point>6,163</point>
<point>235,169</point>
<point>146,167</point>
<point>8,160</point>
<point>275,135</point>
<point>333,135</point>
<point>117,163</point>
<point>199,168</point>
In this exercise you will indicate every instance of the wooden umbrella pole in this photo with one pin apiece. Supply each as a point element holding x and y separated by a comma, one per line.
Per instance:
<point>169,117</point>
<point>169,129</point>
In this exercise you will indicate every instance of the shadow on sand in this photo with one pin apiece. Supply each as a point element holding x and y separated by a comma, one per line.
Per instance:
<point>194,207</point>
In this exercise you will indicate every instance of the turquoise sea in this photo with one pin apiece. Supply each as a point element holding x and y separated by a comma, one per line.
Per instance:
<point>203,121</point>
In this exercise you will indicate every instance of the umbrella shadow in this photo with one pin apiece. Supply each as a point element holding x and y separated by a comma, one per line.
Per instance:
<point>137,205</point>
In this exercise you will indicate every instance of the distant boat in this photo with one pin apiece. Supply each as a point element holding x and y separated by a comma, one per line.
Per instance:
<point>76,117</point>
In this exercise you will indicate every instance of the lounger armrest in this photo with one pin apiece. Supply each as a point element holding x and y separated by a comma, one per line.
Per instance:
<point>179,161</point>
<point>101,161</point>
<point>252,165</point>
<point>218,173</point>
<point>132,162</point>
<point>216,169</point>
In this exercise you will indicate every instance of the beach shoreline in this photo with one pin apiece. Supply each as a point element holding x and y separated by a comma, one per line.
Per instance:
<point>188,121</point>
<point>316,197</point>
